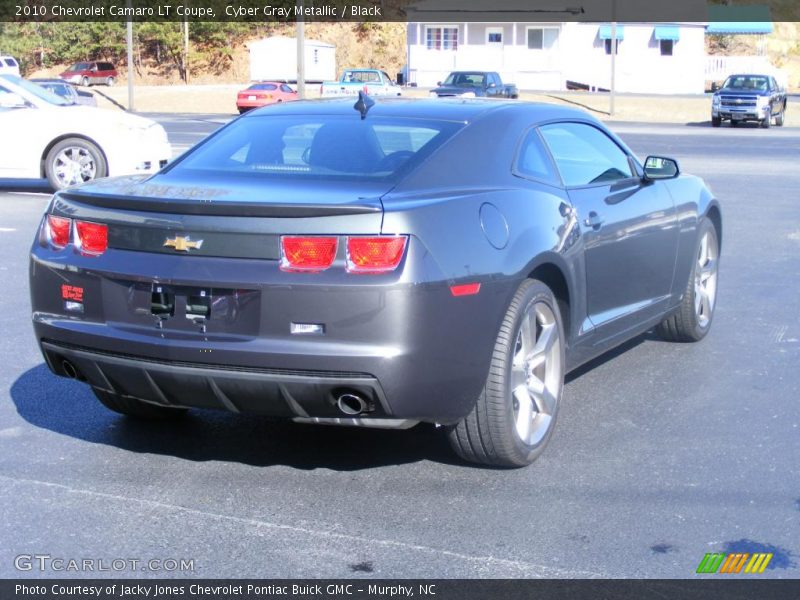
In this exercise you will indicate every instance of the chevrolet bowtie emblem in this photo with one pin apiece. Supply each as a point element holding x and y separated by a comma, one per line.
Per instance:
<point>183,244</point>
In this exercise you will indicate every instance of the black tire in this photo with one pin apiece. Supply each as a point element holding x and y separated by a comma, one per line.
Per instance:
<point>488,435</point>
<point>716,121</point>
<point>780,117</point>
<point>51,170</point>
<point>766,121</point>
<point>138,408</point>
<point>110,82</point>
<point>85,82</point>
<point>685,325</point>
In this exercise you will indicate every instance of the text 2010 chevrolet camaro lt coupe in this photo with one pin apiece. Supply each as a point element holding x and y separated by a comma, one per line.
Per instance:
<point>413,261</point>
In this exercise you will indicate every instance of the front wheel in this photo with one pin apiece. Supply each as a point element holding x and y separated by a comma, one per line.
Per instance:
<point>110,81</point>
<point>765,122</point>
<point>85,82</point>
<point>716,121</point>
<point>73,161</point>
<point>693,320</point>
<point>514,416</point>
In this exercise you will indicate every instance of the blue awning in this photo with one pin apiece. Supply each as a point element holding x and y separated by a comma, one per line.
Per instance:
<point>738,20</point>
<point>605,32</point>
<point>667,32</point>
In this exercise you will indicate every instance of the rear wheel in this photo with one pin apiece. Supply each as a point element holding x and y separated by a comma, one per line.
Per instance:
<point>73,161</point>
<point>137,408</point>
<point>692,322</point>
<point>779,118</point>
<point>514,416</point>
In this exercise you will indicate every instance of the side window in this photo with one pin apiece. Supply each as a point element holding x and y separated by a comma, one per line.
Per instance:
<point>585,155</point>
<point>286,88</point>
<point>533,160</point>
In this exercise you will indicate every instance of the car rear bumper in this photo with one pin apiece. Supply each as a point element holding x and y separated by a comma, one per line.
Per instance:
<point>412,349</point>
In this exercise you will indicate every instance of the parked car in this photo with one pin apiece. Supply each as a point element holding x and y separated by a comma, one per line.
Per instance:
<point>67,91</point>
<point>749,98</point>
<point>9,66</point>
<point>263,93</point>
<point>474,84</point>
<point>410,261</point>
<point>47,136</point>
<point>91,73</point>
<point>373,81</point>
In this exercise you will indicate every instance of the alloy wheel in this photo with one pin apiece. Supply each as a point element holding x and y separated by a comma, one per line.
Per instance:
<point>74,165</point>
<point>705,280</point>
<point>536,373</point>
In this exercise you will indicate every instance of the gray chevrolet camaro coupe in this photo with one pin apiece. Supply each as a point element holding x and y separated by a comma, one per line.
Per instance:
<point>412,261</point>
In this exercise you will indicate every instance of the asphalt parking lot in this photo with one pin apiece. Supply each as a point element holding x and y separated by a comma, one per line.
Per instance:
<point>663,451</point>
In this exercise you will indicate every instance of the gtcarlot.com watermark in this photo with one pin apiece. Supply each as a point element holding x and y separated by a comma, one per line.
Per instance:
<point>46,563</point>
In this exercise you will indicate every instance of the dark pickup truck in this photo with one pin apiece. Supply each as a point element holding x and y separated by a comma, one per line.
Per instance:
<point>474,84</point>
<point>749,97</point>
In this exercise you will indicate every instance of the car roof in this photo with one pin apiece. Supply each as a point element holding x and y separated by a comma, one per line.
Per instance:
<point>441,109</point>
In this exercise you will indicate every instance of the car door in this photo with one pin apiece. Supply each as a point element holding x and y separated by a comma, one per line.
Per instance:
<point>629,228</point>
<point>18,150</point>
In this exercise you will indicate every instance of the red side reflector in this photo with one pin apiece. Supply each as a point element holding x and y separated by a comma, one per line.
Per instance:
<point>310,254</point>
<point>91,238</point>
<point>374,254</point>
<point>465,289</point>
<point>58,230</point>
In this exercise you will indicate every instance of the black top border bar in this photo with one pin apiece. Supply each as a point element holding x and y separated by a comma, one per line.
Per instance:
<point>426,11</point>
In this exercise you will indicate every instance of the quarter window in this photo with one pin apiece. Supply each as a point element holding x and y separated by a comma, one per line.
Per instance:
<point>533,160</point>
<point>585,155</point>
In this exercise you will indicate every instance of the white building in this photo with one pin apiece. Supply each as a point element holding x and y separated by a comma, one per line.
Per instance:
<point>651,57</point>
<point>275,59</point>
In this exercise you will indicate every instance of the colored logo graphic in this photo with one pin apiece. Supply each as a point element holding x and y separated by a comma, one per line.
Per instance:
<point>734,563</point>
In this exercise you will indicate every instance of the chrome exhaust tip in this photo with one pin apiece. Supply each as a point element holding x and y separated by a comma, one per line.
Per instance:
<point>351,404</point>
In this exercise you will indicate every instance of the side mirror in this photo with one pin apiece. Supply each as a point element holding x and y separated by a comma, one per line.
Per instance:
<point>493,84</point>
<point>12,100</point>
<point>660,167</point>
<point>439,83</point>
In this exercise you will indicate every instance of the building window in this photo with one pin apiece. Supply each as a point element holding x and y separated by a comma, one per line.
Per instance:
<point>542,38</point>
<point>608,46</point>
<point>666,47</point>
<point>441,38</point>
<point>494,35</point>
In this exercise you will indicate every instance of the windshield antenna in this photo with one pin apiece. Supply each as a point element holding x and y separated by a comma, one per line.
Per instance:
<point>363,104</point>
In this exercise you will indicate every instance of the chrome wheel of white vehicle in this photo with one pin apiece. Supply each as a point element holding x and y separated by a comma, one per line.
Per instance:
<point>74,161</point>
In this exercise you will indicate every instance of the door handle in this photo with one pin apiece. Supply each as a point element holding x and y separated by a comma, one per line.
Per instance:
<point>594,221</point>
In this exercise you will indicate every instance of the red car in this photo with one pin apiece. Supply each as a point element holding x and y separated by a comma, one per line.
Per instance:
<point>263,93</point>
<point>90,72</point>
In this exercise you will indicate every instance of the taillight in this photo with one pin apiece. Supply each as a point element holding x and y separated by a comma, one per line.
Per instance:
<point>91,238</point>
<point>58,231</point>
<point>307,253</point>
<point>374,254</point>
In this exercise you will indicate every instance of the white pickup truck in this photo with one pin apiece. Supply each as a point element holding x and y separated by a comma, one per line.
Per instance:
<point>373,81</point>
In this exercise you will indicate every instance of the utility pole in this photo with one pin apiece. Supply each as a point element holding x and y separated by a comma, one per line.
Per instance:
<point>129,42</point>
<point>301,53</point>
<point>613,58</point>
<point>186,49</point>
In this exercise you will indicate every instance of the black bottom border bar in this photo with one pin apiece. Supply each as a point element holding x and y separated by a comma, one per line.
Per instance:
<point>705,588</point>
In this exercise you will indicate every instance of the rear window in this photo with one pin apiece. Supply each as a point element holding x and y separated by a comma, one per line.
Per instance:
<point>263,86</point>
<point>315,146</point>
<point>11,62</point>
<point>106,67</point>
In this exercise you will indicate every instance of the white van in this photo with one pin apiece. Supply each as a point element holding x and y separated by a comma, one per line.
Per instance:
<point>9,65</point>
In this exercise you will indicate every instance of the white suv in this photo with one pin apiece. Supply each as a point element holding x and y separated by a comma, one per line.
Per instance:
<point>9,65</point>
